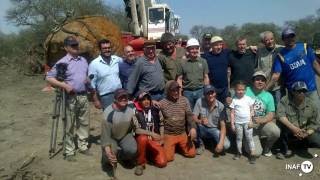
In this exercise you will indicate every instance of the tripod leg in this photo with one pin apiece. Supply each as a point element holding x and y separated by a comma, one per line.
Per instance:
<point>64,119</point>
<point>54,127</point>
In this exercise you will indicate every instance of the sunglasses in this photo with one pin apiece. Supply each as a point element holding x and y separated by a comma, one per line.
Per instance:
<point>74,45</point>
<point>300,91</point>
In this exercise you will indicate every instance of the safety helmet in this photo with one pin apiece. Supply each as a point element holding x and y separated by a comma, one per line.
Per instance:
<point>192,42</point>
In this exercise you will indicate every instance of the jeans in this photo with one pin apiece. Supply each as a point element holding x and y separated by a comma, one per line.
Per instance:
<point>193,96</point>
<point>277,95</point>
<point>211,133</point>
<point>106,100</point>
<point>157,97</point>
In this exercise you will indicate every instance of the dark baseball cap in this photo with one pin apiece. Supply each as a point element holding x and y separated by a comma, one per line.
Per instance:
<point>287,32</point>
<point>142,94</point>
<point>207,36</point>
<point>120,92</point>
<point>149,43</point>
<point>208,88</point>
<point>299,86</point>
<point>70,41</point>
<point>167,37</point>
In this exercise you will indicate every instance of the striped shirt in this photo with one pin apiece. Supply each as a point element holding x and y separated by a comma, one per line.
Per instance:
<point>175,115</point>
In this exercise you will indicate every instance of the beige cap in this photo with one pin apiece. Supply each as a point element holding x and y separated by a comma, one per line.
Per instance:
<point>216,39</point>
<point>259,73</point>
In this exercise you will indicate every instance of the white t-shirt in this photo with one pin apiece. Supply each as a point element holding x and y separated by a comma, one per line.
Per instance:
<point>242,109</point>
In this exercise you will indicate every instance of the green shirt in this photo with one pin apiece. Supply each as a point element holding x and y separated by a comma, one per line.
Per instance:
<point>263,102</point>
<point>305,116</point>
<point>193,72</point>
<point>169,65</point>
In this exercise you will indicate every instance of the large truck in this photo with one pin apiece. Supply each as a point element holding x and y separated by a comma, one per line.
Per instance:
<point>90,29</point>
<point>161,19</point>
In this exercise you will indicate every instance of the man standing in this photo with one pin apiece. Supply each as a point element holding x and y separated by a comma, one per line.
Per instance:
<point>205,43</point>
<point>264,110</point>
<point>265,60</point>
<point>76,102</point>
<point>210,115</point>
<point>105,72</point>
<point>126,67</point>
<point>218,61</point>
<point>167,57</point>
<point>296,62</point>
<point>147,74</point>
<point>193,74</point>
<point>299,119</point>
<point>242,63</point>
<point>177,117</point>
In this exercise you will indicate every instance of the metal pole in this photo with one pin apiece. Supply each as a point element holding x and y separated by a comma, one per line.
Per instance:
<point>143,16</point>
<point>134,15</point>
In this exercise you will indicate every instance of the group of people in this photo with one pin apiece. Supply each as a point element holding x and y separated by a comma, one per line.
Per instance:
<point>181,99</point>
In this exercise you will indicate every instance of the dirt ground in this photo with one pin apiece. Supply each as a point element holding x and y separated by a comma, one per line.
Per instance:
<point>25,116</point>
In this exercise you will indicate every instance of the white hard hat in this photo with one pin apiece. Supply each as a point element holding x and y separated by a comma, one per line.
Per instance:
<point>192,42</point>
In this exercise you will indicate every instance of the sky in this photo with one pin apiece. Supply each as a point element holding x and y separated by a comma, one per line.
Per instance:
<point>217,13</point>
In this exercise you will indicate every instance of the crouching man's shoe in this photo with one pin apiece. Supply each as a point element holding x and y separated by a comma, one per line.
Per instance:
<point>139,170</point>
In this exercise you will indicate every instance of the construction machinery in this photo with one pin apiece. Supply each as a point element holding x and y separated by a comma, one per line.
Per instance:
<point>90,29</point>
<point>161,19</point>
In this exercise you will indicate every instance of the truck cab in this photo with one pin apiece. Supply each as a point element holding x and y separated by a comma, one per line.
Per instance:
<point>161,19</point>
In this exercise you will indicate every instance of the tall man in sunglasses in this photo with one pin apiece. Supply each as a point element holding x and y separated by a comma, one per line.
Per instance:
<point>74,84</point>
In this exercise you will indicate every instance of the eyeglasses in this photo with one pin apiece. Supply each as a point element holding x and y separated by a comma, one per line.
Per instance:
<point>74,45</point>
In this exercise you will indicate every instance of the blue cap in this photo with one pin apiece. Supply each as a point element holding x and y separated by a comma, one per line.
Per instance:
<point>299,85</point>
<point>287,32</point>
<point>208,88</point>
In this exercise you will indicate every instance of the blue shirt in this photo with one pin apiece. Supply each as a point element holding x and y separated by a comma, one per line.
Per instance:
<point>125,69</point>
<point>106,76</point>
<point>76,74</point>
<point>218,68</point>
<point>297,66</point>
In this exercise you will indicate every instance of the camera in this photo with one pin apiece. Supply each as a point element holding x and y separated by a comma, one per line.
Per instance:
<point>61,71</point>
